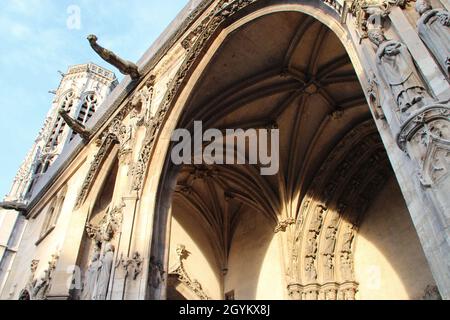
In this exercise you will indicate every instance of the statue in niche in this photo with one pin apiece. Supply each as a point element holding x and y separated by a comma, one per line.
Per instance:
<point>101,289</point>
<point>434,30</point>
<point>92,275</point>
<point>396,66</point>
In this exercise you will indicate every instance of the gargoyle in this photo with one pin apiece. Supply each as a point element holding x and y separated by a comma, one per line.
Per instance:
<point>75,125</point>
<point>124,66</point>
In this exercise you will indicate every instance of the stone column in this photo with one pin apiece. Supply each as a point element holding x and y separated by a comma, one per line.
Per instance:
<point>122,273</point>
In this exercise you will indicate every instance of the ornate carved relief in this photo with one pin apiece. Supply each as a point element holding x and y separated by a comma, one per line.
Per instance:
<point>331,212</point>
<point>426,137</point>
<point>108,227</point>
<point>396,66</point>
<point>208,26</point>
<point>283,225</point>
<point>38,288</point>
<point>116,132</point>
<point>143,100</point>
<point>183,276</point>
<point>133,265</point>
<point>368,15</point>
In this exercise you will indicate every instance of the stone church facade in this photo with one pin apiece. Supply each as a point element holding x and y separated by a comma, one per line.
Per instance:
<point>359,91</point>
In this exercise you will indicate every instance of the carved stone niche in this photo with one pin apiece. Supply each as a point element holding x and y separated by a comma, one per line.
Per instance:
<point>426,139</point>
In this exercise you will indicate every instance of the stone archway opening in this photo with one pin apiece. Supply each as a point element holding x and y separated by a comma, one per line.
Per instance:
<point>333,164</point>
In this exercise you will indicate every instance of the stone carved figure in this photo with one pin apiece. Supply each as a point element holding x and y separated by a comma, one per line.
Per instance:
<point>92,277</point>
<point>143,100</point>
<point>310,269</point>
<point>125,67</point>
<point>330,237</point>
<point>396,66</point>
<point>316,224</point>
<point>101,289</point>
<point>41,286</point>
<point>110,224</point>
<point>328,266</point>
<point>156,272</point>
<point>434,30</point>
<point>348,237</point>
<point>346,266</point>
<point>133,265</point>
<point>311,244</point>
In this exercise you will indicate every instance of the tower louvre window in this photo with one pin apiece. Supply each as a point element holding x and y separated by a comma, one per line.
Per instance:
<point>87,110</point>
<point>60,125</point>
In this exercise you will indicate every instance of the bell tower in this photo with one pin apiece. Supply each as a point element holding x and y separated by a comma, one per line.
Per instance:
<point>80,94</point>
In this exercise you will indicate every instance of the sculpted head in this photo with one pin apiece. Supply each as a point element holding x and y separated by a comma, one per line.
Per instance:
<point>423,6</point>
<point>376,36</point>
<point>92,38</point>
<point>109,248</point>
<point>96,256</point>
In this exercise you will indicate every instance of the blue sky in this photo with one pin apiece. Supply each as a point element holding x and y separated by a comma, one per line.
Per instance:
<point>36,42</point>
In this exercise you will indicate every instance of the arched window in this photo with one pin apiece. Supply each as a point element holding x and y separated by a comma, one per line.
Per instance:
<point>60,125</point>
<point>52,214</point>
<point>87,110</point>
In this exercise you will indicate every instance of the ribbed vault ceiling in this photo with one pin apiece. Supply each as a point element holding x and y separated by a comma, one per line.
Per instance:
<point>286,69</point>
